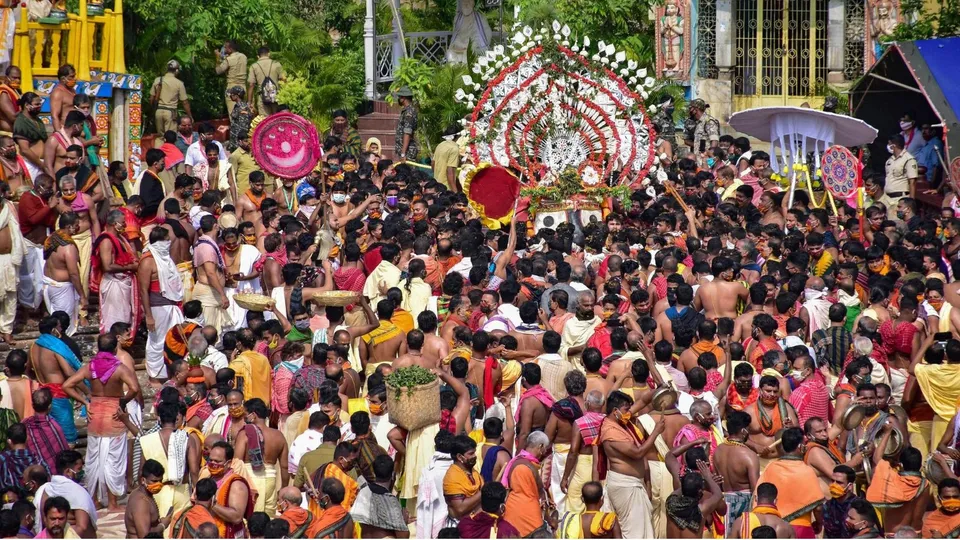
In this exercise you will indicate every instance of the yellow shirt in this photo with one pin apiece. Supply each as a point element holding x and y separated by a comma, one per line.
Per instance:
<point>243,164</point>
<point>447,154</point>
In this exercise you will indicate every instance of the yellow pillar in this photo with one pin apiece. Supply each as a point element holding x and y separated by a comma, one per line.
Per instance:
<point>119,64</point>
<point>83,61</point>
<point>21,52</point>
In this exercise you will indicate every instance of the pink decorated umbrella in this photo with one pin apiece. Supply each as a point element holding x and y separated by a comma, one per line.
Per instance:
<point>286,145</point>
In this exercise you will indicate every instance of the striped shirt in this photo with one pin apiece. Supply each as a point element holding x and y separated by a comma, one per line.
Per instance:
<point>14,462</point>
<point>832,345</point>
<point>45,439</point>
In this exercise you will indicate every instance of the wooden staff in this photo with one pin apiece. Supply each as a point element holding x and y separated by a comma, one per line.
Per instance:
<point>676,196</point>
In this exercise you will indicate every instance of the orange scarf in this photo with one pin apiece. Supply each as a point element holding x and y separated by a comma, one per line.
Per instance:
<point>891,488</point>
<point>331,520</point>
<point>257,201</point>
<point>707,346</point>
<point>301,521</point>
<point>186,523</point>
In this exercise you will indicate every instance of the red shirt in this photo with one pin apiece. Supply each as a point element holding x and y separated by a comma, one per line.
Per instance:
<point>34,212</point>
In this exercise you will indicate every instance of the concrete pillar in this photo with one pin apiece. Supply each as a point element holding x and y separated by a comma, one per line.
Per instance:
<point>370,51</point>
<point>835,36</point>
<point>726,29</point>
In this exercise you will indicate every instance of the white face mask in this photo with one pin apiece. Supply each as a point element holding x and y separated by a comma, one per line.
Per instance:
<point>797,375</point>
<point>339,198</point>
<point>890,148</point>
<point>906,125</point>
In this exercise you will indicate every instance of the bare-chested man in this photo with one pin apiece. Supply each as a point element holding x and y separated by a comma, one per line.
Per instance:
<point>184,187</point>
<point>10,97</point>
<point>55,148</point>
<point>181,233</point>
<point>738,464</point>
<point>142,516</point>
<point>52,362</point>
<point>248,203</point>
<point>535,403</point>
<point>621,369</point>
<point>768,415</point>
<point>626,471</point>
<point>63,290</point>
<point>434,347</point>
<point>271,452</point>
<point>592,362</point>
<point>13,170</point>
<point>761,301</point>
<point>560,429</point>
<point>823,453</point>
<point>61,98</point>
<point>579,467</point>
<point>19,385</point>
<point>106,462</point>
<point>481,363</point>
<point>382,345</point>
<point>719,297</point>
<point>414,356</point>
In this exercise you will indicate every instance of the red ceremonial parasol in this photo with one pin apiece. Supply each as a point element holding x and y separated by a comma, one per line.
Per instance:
<point>286,145</point>
<point>493,192</point>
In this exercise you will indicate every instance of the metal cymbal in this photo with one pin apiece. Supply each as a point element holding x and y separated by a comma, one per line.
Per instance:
<point>664,398</point>
<point>852,417</point>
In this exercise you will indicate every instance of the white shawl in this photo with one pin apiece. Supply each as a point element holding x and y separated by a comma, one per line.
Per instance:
<point>171,284</point>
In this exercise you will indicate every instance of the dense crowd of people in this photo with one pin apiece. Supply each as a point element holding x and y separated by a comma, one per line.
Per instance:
<point>708,359</point>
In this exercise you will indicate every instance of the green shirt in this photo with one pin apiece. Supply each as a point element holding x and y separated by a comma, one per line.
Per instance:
<point>313,460</point>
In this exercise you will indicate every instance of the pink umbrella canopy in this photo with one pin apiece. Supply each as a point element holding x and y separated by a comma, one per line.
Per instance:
<point>286,145</point>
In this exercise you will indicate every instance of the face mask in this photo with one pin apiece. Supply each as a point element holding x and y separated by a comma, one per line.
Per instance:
<point>624,417</point>
<point>215,470</point>
<point>901,215</point>
<point>238,411</point>
<point>273,343</point>
<point>890,148</point>
<point>392,200</point>
<point>153,488</point>
<point>213,404</point>
<point>349,167</point>
<point>797,375</point>
<point>710,162</point>
<point>250,239</point>
<point>339,198</point>
<point>376,409</point>
<point>79,475</point>
<point>189,399</point>
<point>906,125</point>
<point>69,198</point>
<point>837,490</point>
<point>936,304</point>
<point>302,325</point>
<point>950,505</point>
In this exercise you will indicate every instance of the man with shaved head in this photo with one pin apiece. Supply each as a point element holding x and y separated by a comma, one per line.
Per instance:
<point>580,328</point>
<point>303,523</point>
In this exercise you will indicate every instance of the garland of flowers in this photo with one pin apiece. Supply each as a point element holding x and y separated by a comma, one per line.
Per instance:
<point>564,72</point>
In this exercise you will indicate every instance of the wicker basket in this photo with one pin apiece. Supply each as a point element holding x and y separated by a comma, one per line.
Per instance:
<point>416,408</point>
<point>253,301</point>
<point>336,298</point>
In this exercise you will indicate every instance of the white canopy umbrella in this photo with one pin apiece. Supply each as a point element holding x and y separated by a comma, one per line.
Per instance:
<point>798,130</point>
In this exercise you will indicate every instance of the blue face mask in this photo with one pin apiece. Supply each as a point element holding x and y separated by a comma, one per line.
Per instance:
<point>711,161</point>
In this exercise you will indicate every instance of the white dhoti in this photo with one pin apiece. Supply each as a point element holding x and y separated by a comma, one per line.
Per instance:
<point>213,314</point>
<point>31,276</point>
<point>164,318</point>
<point>631,504</point>
<point>116,300</point>
<point>9,264</point>
<point>106,466</point>
<point>560,453</point>
<point>247,257</point>
<point>61,296</point>
<point>265,481</point>
<point>106,462</point>
<point>280,297</point>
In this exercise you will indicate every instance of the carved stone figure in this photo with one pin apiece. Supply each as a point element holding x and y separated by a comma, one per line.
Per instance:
<point>882,18</point>
<point>673,40</point>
